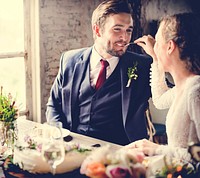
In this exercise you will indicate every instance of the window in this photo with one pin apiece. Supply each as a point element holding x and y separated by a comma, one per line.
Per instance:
<point>12,78</point>
<point>12,74</point>
<point>18,45</point>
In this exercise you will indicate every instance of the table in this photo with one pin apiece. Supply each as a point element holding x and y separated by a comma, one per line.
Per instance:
<point>23,124</point>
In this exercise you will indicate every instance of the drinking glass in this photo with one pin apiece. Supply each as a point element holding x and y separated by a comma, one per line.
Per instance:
<point>53,149</point>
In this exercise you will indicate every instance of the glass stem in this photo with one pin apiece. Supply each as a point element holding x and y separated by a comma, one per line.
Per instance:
<point>53,169</point>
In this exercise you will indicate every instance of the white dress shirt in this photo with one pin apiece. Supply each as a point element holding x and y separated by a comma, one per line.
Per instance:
<point>95,66</point>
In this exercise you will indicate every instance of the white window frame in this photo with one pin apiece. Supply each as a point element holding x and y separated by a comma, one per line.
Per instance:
<point>33,79</point>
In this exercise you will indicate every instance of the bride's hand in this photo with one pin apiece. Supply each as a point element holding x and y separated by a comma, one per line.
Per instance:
<point>144,145</point>
<point>147,43</point>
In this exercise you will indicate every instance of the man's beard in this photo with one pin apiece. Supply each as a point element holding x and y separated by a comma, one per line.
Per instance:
<point>115,53</point>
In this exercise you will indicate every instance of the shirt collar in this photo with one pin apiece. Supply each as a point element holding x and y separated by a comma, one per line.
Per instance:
<point>95,58</point>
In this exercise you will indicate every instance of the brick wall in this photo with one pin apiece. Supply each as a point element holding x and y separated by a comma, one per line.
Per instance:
<point>64,25</point>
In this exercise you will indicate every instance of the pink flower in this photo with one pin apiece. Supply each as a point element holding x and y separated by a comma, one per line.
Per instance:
<point>27,138</point>
<point>139,157</point>
<point>117,171</point>
<point>39,147</point>
<point>135,155</point>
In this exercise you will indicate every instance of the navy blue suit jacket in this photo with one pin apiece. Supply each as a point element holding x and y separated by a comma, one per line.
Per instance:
<point>62,104</point>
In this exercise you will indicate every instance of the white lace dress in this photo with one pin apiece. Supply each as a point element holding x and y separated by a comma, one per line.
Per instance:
<point>183,118</point>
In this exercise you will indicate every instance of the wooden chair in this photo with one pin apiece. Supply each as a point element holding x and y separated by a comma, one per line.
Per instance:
<point>156,131</point>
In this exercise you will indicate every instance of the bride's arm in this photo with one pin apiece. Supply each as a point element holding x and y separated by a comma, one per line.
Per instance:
<point>173,152</point>
<point>193,101</point>
<point>162,96</point>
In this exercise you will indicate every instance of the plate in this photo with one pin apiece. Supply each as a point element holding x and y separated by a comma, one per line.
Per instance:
<point>39,132</point>
<point>34,129</point>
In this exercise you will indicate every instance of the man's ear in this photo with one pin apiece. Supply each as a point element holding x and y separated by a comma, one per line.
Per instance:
<point>171,46</point>
<point>96,30</point>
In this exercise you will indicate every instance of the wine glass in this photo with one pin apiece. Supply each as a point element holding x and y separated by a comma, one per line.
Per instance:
<point>2,135</point>
<point>53,149</point>
<point>2,142</point>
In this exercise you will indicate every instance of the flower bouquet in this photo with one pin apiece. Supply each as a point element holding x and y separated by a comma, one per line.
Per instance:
<point>171,167</point>
<point>8,116</point>
<point>106,163</point>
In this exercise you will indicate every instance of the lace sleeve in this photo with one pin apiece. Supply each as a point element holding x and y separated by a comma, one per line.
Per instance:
<point>194,112</point>
<point>174,152</point>
<point>162,96</point>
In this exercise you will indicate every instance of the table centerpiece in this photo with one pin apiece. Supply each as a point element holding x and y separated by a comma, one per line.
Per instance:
<point>8,116</point>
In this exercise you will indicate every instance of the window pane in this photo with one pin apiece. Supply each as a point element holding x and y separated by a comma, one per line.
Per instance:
<point>11,26</point>
<point>12,78</point>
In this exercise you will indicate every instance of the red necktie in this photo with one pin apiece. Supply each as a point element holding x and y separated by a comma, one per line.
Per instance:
<point>102,74</point>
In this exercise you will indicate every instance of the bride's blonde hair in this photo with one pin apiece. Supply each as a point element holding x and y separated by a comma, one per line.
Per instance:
<point>184,30</point>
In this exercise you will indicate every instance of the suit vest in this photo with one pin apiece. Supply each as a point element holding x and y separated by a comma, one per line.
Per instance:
<point>100,112</point>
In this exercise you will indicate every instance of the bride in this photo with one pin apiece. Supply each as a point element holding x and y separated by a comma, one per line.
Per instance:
<point>175,49</point>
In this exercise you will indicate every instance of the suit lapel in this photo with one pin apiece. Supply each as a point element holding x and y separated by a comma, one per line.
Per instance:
<point>126,91</point>
<point>79,72</point>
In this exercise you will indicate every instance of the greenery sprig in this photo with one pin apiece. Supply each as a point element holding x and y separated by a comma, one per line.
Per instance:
<point>132,74</point>
<point>8,110</point>
<point>76,147</point>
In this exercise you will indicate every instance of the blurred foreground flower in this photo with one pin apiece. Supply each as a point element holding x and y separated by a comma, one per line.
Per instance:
<point>104,163</point>
<point>175,168</point>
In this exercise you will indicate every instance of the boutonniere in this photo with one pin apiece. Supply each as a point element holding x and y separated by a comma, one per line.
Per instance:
<point>131,74</point>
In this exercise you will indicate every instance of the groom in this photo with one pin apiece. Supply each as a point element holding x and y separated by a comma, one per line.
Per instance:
<point>90,94</point>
